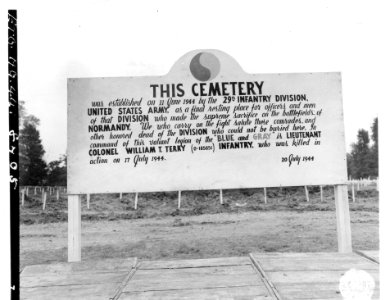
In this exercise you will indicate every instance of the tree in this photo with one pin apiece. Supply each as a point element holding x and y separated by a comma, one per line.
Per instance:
<point>359,166</point>
<point>56,175</point>
<point>373,157</point>
<point>350,165</point>
<point>25,118</point>
<point>32,167</point>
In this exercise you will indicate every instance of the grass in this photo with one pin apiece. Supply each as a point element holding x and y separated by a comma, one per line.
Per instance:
<point>151,205</point>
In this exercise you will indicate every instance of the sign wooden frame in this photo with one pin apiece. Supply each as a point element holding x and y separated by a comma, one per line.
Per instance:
<point>310,152</point>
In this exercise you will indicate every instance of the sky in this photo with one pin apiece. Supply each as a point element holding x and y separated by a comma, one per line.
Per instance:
<point>99,39</point>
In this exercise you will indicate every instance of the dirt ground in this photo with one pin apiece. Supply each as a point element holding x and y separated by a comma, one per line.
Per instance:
<point>208,235</point>
<point>112,228</point>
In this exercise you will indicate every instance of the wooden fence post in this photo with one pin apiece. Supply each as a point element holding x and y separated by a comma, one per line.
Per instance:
<point>307,194</point>
<point>343,219</point>
<point>321,192</point>
<point>120,195</point>
<point>265,195</point>
<point>35,190</point>
<point>44,196</point>
<point>88,200</point>
<point>26,190</point>
<point>74,228</point>
<point>353,192</point>
<point>58,194</point>
<point>136,201</point>
<point>22,197</point>
<point>179,200</point>
<point>220,197</point>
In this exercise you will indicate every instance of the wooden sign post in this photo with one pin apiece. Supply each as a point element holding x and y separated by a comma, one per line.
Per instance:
<point>74,228</point>
<point>220,126</point>
<point>343,219</point>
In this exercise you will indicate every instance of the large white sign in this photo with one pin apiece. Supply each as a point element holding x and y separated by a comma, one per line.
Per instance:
<point>205,125</point>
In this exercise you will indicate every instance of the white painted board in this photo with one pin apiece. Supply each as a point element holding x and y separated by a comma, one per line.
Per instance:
<point>118,139</point>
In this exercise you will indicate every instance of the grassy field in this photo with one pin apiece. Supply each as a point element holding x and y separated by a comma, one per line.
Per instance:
<point>201,228</point>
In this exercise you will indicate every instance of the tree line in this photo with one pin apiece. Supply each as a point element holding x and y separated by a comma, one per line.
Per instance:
<point>33,169</point>
<point>362,161</point>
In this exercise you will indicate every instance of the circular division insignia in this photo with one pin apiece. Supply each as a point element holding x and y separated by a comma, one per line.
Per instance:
<point>356,285</point>
<point>204,66</point>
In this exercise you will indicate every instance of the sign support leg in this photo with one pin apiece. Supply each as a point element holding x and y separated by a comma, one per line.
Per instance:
<point>74,228</point>
<point>343,219</point>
